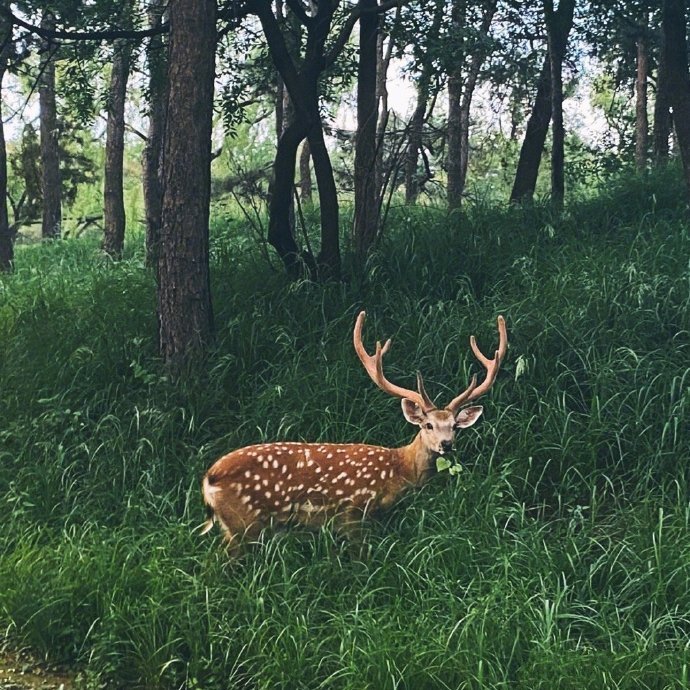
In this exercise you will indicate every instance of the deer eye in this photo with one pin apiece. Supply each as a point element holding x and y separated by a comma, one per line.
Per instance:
<point>429,425</point>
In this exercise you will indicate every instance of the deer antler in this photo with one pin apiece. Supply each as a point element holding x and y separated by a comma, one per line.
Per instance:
<point>374,367</point>
<point>472,392</point>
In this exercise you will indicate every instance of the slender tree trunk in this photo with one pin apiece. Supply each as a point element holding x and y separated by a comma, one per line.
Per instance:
<point>305,187</point>
<point>114,219</point>
<point>662,110</point>
<point>641,119</point>
<point>676,58</point>
<point>184,295</point>
<point>478,56</point>
<point>329,256</point>
<point>558,25</point>
<point>414,143</point>
<point>455,86</point>
<point>6,234</point>
<point>383,59</point>
<point>50,152</point>
<point>366,203</point>
<point>153,191</point>
<point>280,233</point>
<point>533,144</point>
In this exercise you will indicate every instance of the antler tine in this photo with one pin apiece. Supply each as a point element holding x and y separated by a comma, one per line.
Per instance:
<point>373,364</point>
<point>472,392</point>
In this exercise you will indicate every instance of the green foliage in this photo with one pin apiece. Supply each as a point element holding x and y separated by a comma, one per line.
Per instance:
<point>558,557</point>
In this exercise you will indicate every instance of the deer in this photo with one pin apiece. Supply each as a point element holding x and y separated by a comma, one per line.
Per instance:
<point>316,483</point>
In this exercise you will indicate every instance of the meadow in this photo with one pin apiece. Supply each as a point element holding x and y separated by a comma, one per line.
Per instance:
<point>559,557</point>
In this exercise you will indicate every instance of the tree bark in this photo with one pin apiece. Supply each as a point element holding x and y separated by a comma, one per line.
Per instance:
<point>455,79</point>
<point>184,295</point>
<point>305,187</point>
<point>558,25</point>
<point>674,25</point>
<point>114,219</point>
<point>50,153</point>
<point>366,203</point>
<point>641,118</point>
<point>383,59</point>
<point>153,191</point>
<point>533,144</point>
<point>6,233</point>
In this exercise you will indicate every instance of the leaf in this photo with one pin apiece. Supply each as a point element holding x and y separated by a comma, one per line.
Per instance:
<point>442,464</point>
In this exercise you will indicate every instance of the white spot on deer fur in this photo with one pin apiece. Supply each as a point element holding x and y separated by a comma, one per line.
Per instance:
<point>334,480</point>
<point>247,474</point>
<point>270,457</point>
<point>372,482</point>
<point>257,477</point>
<point>264,464</point>
<point>300,487</point>
<point>245,499</point>
<point>289,452</point>
<point>277,487</point>
<point>381,457</point>
<point>371,452</point>
<point>339,492</point>
<point>383,474</point>
<point>342,475</point>
<point>257,487</point>
<point>275,465</point>
<point>329,456</point>
<point>260,458</point>
<point>299,465</point>
<point>268,494</point>
<point>317,469</point>
<point>283,469</point>
<point>264,482</point>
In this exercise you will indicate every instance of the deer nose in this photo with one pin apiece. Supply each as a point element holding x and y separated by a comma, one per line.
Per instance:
<point>446,446</point>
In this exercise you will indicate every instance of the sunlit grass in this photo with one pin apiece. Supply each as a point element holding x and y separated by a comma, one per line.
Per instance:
<point>559,557</point>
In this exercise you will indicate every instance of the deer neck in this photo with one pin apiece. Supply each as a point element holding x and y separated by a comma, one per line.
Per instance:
<point>417,461</point>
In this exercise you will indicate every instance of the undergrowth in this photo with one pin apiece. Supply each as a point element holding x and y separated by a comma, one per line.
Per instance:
<point>558,557</point>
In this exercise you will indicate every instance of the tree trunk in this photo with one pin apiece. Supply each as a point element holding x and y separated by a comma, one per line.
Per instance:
<point>366,202</point>
<point>114,219</point>
<point>676,57</point>
<point>329,256</point>
<point>414,142</point>
<point>478,56</point>
<point>558,24</point>
<point>184,295</point>
<point>153,191</point>
<point>455,79</point>
<point>383,59</point>
<point>280,231</point>
<point>305,188</point>
<point>641,119</point>
<point>662,110</point>
<point>533,144</point>
<point>50,152</point>
<point>6,234</point>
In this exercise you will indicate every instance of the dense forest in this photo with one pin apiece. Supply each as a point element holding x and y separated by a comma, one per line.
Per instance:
<point>199,197</point>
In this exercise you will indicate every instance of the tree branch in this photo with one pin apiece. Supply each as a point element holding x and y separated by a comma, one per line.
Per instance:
<point>299,11</point>
<point>106,34</point>
<point>344,36</point>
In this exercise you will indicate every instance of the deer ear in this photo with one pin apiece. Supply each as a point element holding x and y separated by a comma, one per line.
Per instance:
<point>468,416</point>
<point>414,414</point>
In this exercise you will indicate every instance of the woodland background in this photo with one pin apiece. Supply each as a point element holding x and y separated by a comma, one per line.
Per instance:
<point>201,196</point>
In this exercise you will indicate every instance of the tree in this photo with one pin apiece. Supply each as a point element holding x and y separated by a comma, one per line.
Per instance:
<point>558,25</point>
<point>113,194</point>
<point>50,152</point>
<point>6,233</point>
<point>184,295</point>
<point>548,102</point>
<point>153,194</point>
<point>366,196</point>
<point>676,59</point>
<point>465,64</point>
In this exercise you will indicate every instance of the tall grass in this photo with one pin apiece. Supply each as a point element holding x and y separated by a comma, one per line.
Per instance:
<point>559,556</point>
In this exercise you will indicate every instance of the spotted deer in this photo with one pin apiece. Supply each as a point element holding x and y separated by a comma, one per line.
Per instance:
<point>312,483</point>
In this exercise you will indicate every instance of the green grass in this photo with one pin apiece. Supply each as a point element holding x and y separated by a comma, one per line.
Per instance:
<point>558,558</point>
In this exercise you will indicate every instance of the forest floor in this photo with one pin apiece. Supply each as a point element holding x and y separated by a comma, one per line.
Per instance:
<point>20,670</point>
